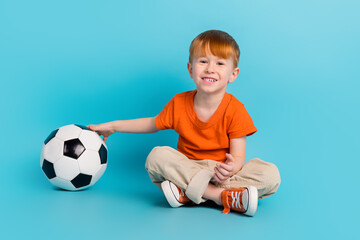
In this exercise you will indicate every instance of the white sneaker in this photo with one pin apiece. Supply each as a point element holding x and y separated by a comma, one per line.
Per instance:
<point>174,195</point>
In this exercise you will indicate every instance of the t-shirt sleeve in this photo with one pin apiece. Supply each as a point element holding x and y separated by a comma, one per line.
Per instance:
<point>165,119</point>
<point>241,123</point>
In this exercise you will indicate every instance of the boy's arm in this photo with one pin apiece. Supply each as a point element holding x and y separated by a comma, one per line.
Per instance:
<point>237,151</point>
<point>140,125</point>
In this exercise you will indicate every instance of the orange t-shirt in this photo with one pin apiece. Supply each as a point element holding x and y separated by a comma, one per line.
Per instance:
<point>200,140</point>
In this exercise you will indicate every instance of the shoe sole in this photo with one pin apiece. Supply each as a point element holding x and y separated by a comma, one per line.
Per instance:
<point>169,194</point>
<point>253,201</point>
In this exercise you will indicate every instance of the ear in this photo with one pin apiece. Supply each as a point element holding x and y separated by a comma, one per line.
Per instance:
<point>189,67</point>
<point>234,74</point>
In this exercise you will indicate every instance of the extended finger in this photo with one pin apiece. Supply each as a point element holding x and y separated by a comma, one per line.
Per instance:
<point>92,126</point>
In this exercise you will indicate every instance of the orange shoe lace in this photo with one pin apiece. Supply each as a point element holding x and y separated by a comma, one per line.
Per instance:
<point>232,199</point>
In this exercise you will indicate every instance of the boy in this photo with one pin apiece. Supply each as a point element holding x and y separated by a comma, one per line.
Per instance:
<point>209,163</point>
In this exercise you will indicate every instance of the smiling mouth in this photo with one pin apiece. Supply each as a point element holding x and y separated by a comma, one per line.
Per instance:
<point>209,80</point>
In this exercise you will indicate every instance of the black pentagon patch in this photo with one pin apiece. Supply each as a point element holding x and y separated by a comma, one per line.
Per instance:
<point>81,180</point>
<point>48,169</point>
<point>73,148</point>
<point>82,127</point>
<point>51,136</point>
<point>103,154</point>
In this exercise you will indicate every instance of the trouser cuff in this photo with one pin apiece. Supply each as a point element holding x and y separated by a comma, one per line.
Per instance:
<point>198,185</point>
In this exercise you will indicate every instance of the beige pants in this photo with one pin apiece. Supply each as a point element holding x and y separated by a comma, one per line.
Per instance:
<point>193,176</point>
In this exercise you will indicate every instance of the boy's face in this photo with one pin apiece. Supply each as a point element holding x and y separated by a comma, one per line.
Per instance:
<point>211,74</point>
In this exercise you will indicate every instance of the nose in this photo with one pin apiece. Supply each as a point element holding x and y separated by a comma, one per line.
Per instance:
<point>209,68</point>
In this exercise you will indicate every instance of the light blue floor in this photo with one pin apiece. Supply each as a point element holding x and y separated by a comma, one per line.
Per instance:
<point>125,204</point>
<point>88,62</point>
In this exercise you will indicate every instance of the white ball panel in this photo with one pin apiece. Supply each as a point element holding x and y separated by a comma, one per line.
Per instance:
<point>66,168</point>
<point>91,140</point>
<point>42,156</point>
<point>61,183</point>
<point>89,162</point>
<point>53,150</point>
<point>98,174</point>
<point>68,132</point>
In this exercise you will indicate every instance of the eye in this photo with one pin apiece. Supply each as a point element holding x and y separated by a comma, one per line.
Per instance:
<point>220,63</point>
<point>203,61</point>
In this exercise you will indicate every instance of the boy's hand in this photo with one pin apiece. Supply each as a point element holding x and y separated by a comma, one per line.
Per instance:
<point>104,129</point>
<point>224,170</point>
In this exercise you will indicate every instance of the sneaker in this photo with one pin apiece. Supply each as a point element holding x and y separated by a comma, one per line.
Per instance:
<point>244,200</point>
<point>174,195</point>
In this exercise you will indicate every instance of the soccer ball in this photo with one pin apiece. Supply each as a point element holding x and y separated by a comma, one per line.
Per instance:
<point>73,157</point>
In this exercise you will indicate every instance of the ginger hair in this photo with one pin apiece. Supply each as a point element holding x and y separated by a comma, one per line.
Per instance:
<point>221,44</point>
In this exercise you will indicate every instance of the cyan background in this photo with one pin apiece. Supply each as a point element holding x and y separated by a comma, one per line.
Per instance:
<point>89,62</point>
